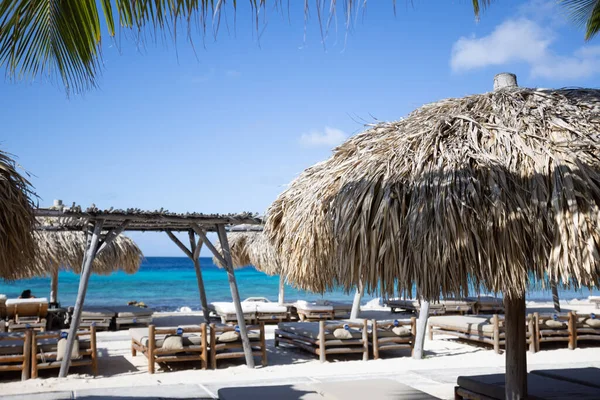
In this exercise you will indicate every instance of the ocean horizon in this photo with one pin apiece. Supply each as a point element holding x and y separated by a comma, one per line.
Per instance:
<point>169,284</point>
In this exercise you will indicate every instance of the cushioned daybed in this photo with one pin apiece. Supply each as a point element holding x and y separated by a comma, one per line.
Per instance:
<point>15,352</point>
<point>487,305</point>
<point>226,343</point>
<point>26,314</point>
<point>323,338</point>
<point>587,327</point>
<point>582,376</point>
<point>131,316</point>
<point>482,329</point>
<point>412,305</point>
<point>164,345</point>
<point>538,387</point>
<point>226,311</point>
<point>313,311</point>
<point>47,350</point>
<point>99,317</point>
<point>266,311</point>
<point>595,300</point>
<point>392,335</point>
<point>554,327</point>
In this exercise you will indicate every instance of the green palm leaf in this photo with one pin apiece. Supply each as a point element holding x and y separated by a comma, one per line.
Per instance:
<point>585,13</point>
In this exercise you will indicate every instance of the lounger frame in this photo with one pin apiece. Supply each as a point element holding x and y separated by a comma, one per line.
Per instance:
<point>495,338</point>
<point>379,344</point>
<point>21,323</point>
<point>48,360</point>
<point>133,322</point>
<point>545,335</point>
<point>315,315</point>
<point>160,355</point>
<point>323,347</point>
<point>18,362</point>
<point>397,307</point>
<point>221,351</point>
<point>464,394</point>
<point>583,332</point>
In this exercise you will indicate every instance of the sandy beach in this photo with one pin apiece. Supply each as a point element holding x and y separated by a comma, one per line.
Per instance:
<point>445,358</point>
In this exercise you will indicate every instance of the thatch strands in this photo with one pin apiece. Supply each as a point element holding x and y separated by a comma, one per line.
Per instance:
<point>17,246</point>
<point>67,249</point>
<point>487,187</point>
<point>251,248</point>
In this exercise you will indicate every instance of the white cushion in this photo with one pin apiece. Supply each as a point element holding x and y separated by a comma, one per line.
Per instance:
<point>341,333</point>
<point>26,301</point>
<point>270,308</point>
<point>223,307</point>
<point>62,346</point>
<point>229,336</point>
<point>304,305</point>
<point>173,342</point>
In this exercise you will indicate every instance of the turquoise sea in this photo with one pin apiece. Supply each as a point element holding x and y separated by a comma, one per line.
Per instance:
<point>169,283</point>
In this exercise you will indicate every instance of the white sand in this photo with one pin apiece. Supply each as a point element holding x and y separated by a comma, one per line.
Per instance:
<point>118,368</point>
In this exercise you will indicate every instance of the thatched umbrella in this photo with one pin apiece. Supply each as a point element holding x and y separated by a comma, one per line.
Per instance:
<point>253,248</point>
<point>17,246</point>
<point>484,189</point>
<point>66,250</point>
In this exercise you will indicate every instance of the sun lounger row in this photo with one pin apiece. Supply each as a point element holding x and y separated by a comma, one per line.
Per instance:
<point>115,316</point>
<point>320,310</point>
<point>195,343</point>
<point>339,337</point>
<point>31,351</point>
<point>469,305</point>
<point>576,383</point>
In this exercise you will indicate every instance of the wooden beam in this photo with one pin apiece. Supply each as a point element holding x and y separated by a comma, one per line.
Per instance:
<point>208,244</point>
<point>179,244</point>
<point>235,296</point>
<point>421,330</point>
<point>356,302</point>
<point>112,235</point>
<point>516,351</point>
<point>86,270</point>
<point>281,296</point>
<point>195,247</point>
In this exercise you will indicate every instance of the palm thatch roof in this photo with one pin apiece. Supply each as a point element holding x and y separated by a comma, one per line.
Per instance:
<point>66,250</point>
<point>488,188</point>
<point>17,246</point>
<point>251,248</point>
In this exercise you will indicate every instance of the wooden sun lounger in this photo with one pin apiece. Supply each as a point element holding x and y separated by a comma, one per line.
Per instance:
<point>595,300</point>
<point>478,329</point>
<point>25,314</point>
<point>313,312</point>
<point>226,312</point>
<point>554,328</point>
<point>491,387</point>
<point>15,353</point>
<point>44,350</point>
<point>100,317</point>
<point>149,341</point>
<point>221,349</point>
<point>414,306</point>
<point>587,327</point>
<point>321,341</point>
<point>383,338</point>
<point>487,305</point>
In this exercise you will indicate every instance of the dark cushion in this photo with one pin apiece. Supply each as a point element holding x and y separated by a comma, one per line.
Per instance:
<point>583,376</point>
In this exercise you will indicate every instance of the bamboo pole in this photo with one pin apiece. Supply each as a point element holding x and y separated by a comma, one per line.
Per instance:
<point>421,330</point>
<point>516,351</point>
<point>356,302</point>
<point>235,296</point>
<point>54,286</point>
<point>86,270</point>
<point>555,298</point>
<point>195,247</point>
<point>281,296</point>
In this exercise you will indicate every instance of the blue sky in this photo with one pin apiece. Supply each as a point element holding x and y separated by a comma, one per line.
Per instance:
<point>225,128</point>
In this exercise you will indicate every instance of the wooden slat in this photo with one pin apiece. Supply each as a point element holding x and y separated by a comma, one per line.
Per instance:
<point>344,350</point>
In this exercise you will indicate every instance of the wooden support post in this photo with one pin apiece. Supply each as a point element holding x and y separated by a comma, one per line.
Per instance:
<point>365,338</point>
<point>421,330</point>
<point>572,330</point>
<point>496,333</point>
<point>322,348</point>
<point>25,373</point>
<point>194,255</point>
<point>375,341</point>
<point>54,286</point>
<point>532,332</point>
<point>356,302</point>
<point>235,296</point>
<point>151,347</point>
<point>281,297</point>
<point>555,298</point>
<point>516,352</point>
<point>86,271</point>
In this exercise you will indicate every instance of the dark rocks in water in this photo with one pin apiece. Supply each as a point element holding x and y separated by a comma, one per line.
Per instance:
<point>134,303</point>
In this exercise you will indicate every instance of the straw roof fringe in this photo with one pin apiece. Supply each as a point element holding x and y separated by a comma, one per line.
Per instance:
<point>251,248</point>
<point>484,188</point>
<point>17,246</point>
<point>67,249</point>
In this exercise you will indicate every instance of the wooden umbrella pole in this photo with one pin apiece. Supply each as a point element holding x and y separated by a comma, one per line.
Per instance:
<point>555,298</point>
<point>421,330</point>
<point>235,296</point>
<point>356,302</point>
<point>54,286</point>
<point>516,351</point>
<point>86,271</point>
<point>281,297</point>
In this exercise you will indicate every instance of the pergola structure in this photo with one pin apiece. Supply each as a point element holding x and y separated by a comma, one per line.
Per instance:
<point>103,226</point>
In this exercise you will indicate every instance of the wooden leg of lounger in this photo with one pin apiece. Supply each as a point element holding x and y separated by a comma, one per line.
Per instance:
<point>531,332</point>
<point>263,345</point>
<point>94,350</point>
<point>430,329</point>
<point>572,332</point>
<point>33,357</point>
<point>133,350</point>
<point>496,322</point>
<point>151,348</point>
<point>375,341</point>
<point>365,338</point>
<point>213,344</point>
<point>536,326</point>
<point>204,354</point>
<point>413,331</point>
<point>26,373</point>
<point>322,349</point>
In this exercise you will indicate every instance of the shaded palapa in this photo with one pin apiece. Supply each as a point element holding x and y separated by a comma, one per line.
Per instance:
<point>492,188</point>
<point>17,245</point>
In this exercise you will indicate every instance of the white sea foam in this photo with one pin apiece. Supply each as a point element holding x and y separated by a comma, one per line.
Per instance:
<point>184,309</point>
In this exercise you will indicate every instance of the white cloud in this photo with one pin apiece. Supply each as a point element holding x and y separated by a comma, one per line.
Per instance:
<point>328,137</point>
<point>525,41</point>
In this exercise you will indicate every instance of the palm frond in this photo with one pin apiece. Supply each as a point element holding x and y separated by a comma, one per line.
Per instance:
<point>585,13</point>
